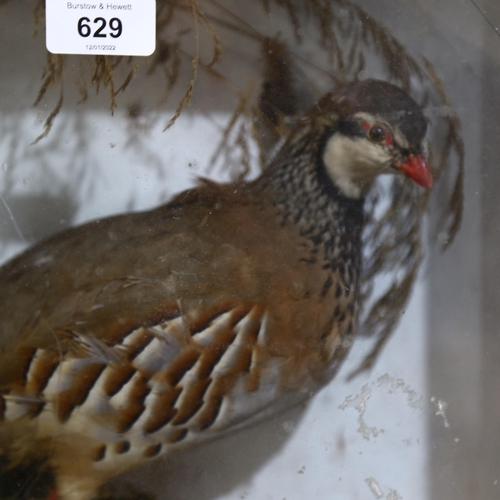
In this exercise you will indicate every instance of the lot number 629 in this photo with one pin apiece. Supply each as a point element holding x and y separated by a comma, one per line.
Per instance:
<point>115,27</point>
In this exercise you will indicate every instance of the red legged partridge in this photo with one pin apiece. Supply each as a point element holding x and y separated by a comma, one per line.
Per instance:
<point>129,337</point>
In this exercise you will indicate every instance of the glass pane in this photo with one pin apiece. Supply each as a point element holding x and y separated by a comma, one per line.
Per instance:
<point>87,137</point>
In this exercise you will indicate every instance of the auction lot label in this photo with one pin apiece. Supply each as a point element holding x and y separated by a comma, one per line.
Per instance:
<point>112,28</point>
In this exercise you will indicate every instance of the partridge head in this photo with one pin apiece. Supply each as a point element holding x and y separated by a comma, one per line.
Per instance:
<point>130,337</point>
<point>377,130</point>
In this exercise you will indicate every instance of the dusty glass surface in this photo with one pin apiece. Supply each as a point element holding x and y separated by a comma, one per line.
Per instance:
<point>423,421</point>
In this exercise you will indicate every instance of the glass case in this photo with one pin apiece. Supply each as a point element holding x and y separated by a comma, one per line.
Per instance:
<point>84,137</point>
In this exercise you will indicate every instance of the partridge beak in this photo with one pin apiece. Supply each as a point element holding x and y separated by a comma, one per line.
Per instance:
<point>416,168</point>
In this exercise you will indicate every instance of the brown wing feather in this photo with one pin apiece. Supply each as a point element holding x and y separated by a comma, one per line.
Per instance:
<point>164,324</point>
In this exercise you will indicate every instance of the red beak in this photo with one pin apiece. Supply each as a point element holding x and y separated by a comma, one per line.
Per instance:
<point>418,170</point>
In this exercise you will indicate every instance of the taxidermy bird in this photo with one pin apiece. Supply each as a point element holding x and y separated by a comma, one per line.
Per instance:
<point>129,337</point>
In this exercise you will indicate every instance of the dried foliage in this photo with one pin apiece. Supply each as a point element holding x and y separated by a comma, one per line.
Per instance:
<point>320,44</point>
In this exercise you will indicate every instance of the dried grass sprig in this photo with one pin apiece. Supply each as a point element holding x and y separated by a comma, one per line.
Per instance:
<point>186,98</point>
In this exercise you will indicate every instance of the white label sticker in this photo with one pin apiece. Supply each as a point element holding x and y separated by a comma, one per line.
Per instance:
<point>112,28</point>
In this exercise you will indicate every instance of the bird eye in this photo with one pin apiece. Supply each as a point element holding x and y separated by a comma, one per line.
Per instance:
<point>377,133</point>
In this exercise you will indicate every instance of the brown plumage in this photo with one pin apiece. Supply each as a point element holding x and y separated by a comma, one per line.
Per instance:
<point>129,337</point>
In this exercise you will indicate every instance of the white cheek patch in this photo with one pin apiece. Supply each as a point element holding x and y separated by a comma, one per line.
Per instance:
<point>351,162</point>
<point>400,139</point>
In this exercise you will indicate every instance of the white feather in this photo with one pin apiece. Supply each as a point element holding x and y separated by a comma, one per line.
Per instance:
<point>354,162</point>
